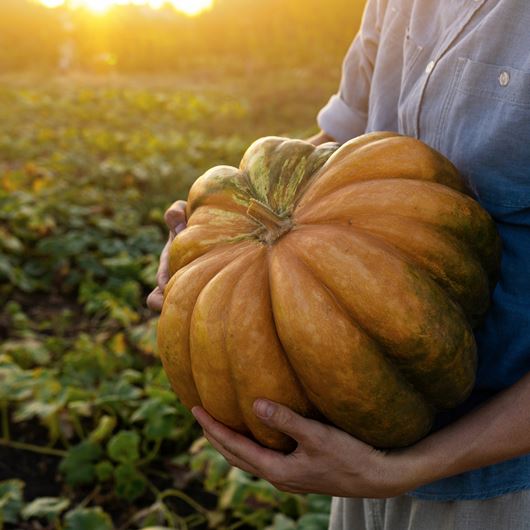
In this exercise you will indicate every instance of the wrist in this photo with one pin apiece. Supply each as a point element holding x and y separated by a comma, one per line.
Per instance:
<point>411,468</point>
<point>400,471</point>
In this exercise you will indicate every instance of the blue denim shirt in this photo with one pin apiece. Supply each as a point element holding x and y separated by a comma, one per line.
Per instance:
<point>456,74</point>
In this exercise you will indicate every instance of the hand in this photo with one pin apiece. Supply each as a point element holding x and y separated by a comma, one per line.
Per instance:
<point>326,461</point>
<point>175,218</point>
<point>320,138</point>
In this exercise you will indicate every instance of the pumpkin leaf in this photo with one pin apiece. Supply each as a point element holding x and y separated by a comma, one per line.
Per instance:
<point>318,503</point>
<point>104,470</point>
<point>313,521</point>
<point>78,466</point>
<point>282,522</point>
<point>210,463</point>
<point>124,447</point>
<point>11,500</point>
<point>48,508</point>
<point>159,418</point>
<point>130,484</point>
<point>87,519</point>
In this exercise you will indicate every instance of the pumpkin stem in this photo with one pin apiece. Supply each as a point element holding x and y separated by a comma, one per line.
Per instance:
<point>269,219</point>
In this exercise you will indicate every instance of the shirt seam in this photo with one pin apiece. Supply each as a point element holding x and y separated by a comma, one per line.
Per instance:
<point>484,92</point>
<point>448,103</point>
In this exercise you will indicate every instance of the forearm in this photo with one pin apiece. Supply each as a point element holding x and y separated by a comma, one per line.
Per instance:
<point>497,431</point>
<point>320,138</point>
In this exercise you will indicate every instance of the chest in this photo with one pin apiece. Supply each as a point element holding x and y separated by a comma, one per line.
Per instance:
<point>457,75</point>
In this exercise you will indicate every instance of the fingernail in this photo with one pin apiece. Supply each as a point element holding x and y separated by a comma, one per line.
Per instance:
<point>264,408</point>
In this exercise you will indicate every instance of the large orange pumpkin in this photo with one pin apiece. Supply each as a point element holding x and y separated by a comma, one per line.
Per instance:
<point>342,282</point>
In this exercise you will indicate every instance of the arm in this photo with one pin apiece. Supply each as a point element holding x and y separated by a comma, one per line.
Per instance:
<point>345,115</point>
<point>497,431</point>
<point>331,462</point>
<point>320,138</point>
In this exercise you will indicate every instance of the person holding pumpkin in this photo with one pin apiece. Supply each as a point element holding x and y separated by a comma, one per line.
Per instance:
<point>457,76</point>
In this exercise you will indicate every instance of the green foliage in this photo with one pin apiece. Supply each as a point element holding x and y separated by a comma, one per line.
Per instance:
<point>124,447</point>
<point>48,508</point>
<point>11,500</point>
<point>130,483</point>
<point>86,172</point>
<point>88,519</point>
<point>79,464</point>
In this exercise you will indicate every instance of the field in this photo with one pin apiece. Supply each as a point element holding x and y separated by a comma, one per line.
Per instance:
<point>92,437</point>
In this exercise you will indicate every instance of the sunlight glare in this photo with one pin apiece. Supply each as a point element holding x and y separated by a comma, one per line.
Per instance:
<point>189,7</point>
<point>52,3</point>
<point>99,6</point>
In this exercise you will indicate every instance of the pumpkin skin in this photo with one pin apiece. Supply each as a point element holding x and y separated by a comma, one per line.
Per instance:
<point>343,282</point>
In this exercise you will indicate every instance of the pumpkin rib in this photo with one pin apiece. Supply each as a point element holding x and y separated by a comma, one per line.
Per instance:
<point>212,373</point>
<point>416,352</point>
<point>338,154</point>
<point>269,258</point>
<point>324,152</point>
<point>426,202</point>
<point>472,252</point>
<point>196,248</point>
<point>355,144</point>
<point>444,276</point>
<point>170,314</point>
<point>388,358</point>
<point>277,168</point>
<point>220,186</point>
<point>257,349</point>
<point>344,402</point>
<point>411,158</point>
<point>208,228</point>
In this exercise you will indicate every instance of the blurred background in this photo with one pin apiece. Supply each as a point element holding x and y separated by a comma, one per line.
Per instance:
<point>109,110</point>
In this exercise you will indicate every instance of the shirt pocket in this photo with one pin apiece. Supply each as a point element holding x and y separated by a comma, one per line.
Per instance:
<point>484,128</point>
<point>501,83</point>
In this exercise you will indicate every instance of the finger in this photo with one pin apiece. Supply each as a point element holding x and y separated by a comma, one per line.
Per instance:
<point>232,459</point>
<point>265,461</point>
<point>162,275</point>
<point>281,418</point>
<point>178,229</point>
<point>175,214</point>
<point>155,300</point>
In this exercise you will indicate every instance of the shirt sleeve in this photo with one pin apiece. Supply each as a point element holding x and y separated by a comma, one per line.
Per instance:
<point>345,115</point>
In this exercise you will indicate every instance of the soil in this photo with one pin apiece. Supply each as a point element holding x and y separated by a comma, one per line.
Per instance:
<point>38,471</point>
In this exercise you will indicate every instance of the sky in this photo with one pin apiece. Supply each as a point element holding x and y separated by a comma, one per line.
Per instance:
<point>190,7</point>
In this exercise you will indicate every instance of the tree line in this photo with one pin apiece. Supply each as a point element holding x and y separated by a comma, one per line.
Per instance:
<point>238,34</point>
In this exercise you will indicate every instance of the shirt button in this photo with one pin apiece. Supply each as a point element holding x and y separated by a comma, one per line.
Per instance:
<point>430,67</point>
<point>504,78</point>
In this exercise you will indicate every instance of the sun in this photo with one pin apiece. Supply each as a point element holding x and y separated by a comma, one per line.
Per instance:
<point>98,6</point>
<point>189,7</point>
<point>192,7</point>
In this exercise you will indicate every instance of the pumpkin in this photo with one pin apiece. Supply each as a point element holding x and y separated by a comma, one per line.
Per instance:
<point>343,282</point>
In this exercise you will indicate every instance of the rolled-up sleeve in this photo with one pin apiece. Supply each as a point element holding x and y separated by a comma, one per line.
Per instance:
<point>345,115</point>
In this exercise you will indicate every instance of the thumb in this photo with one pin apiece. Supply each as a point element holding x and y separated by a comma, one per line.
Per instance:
<point>283,419</point>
